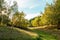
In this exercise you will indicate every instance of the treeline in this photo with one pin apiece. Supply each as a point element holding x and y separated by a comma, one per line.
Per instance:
<point>51,16</point>
<point>10,16</point>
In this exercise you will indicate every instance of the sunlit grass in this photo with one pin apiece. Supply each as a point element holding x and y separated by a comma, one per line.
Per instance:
<point>45,35</point>
<point>12,33</point>
<point>7,33</point>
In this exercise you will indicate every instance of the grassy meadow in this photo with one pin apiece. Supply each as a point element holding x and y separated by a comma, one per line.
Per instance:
<point>12,33</point>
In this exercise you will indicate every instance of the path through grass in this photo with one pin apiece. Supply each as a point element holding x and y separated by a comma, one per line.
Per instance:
<point>12,33</point>
<point>8,33</point>
<point>44,35</point>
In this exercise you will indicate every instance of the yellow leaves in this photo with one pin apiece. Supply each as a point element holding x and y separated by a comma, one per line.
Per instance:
<point>36,21</point>
<point>19,20</point>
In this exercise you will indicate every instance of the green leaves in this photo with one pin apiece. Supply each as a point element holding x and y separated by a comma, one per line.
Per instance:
<point>35,21</point>
<point>19,20</point>
<point>51,15</point>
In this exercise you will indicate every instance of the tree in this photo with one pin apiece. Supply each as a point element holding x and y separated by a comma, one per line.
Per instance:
<point>51,15</point>
<point>19,20</point>
<point>3,9</point>
<point>14,7</point>
<point>1,5</point>
<point>57,11</point>
<point>47,18</point>
<point>35,21</point>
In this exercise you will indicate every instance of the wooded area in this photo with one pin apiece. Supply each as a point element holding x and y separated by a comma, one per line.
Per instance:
<point>51,16</point>
<point>11,17</point>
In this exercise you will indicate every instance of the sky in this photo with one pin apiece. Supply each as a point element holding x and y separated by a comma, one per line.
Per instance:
<point>31,8</point>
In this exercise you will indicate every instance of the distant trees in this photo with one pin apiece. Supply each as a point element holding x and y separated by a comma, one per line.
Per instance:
<point>51,16</point>
<point>35,21</point>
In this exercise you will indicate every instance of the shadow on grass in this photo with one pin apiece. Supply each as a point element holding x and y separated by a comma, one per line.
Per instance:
<point>7,39</point>
<point>37,38</point>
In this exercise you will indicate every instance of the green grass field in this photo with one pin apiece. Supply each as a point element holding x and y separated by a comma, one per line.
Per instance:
<point>7,33</point>
<point>45,35</point>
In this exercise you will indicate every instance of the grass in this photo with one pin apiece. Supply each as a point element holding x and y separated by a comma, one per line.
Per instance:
<point>11,33</point>
<point>7,33</point>
<point>45,35</point>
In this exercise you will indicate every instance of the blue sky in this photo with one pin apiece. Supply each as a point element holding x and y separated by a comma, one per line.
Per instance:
<point>32,8</point>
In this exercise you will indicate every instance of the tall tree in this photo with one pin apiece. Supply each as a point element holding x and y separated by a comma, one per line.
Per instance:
<point>3,10</point>
<point>51,14</point>
<point>57,11</point>
<point>19,20</point>
<point>14,7</point>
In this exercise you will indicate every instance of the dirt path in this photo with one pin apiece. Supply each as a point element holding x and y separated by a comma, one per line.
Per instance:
<point>27,32</point>
<point>36,27</point>
<point>34,35</point>
<point>53,32</point>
